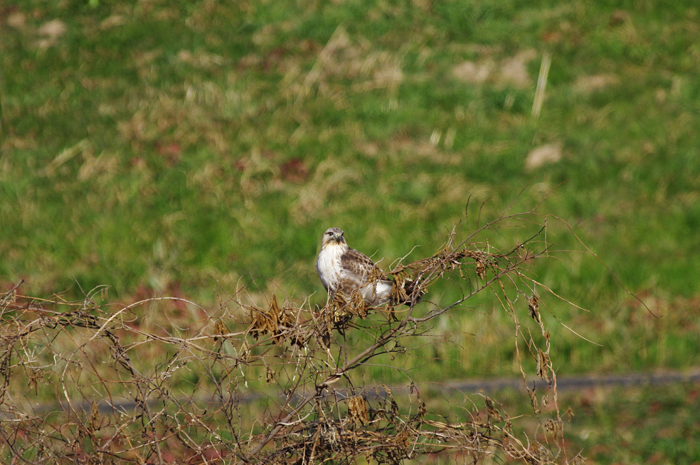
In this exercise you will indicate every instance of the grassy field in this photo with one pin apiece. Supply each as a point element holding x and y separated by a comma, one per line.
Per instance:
<point>640,425</point>
<point>185,148</point>
<point>649,424</point>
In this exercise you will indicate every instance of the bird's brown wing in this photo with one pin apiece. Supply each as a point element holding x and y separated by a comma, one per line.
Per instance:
<point>357,268</point>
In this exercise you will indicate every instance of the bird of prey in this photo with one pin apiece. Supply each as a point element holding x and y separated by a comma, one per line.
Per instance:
<point>346,270</point>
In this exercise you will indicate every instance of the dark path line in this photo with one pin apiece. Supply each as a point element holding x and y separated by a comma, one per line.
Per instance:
<point>581,381</point>
<point>564,383</point>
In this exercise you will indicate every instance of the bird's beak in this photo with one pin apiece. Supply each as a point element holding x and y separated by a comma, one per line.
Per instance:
<point>338,237</point>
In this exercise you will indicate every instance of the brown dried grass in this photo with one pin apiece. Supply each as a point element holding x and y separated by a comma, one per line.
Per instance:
<point>164,380</point>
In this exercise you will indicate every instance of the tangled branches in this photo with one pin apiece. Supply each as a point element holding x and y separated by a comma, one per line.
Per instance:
<point>164,380</point>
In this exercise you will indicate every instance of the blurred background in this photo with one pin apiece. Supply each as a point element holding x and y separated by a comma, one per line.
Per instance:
<point>188,148</point>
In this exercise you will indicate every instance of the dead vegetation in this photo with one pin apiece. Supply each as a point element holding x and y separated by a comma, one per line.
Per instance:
<point>164,380</point>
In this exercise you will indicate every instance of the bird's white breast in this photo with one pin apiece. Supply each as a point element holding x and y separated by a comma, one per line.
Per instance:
<point>329,266</point>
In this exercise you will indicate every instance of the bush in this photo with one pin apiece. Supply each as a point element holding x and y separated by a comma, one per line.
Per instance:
<point>165,380</point>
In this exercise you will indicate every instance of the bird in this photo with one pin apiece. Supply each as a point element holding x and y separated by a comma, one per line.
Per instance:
<point>346,271</point>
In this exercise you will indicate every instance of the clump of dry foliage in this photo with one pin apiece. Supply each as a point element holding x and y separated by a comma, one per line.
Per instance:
<point>164,380</point>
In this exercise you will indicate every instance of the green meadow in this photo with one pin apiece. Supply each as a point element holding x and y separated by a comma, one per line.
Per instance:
<point>191,149</point>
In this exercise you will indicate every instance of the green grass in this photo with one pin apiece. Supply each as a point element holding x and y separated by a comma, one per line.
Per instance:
<point>182,148</point>
<point>207,143</point>
<point>644,424</point>
<point>641,425</point>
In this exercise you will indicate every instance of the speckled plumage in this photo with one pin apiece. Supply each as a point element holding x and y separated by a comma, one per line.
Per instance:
<point>346,270</point>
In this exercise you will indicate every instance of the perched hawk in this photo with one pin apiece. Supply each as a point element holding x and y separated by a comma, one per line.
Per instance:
<point>346,270</point>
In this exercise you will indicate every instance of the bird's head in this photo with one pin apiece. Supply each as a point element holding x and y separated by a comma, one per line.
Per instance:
<point>333,236</point>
